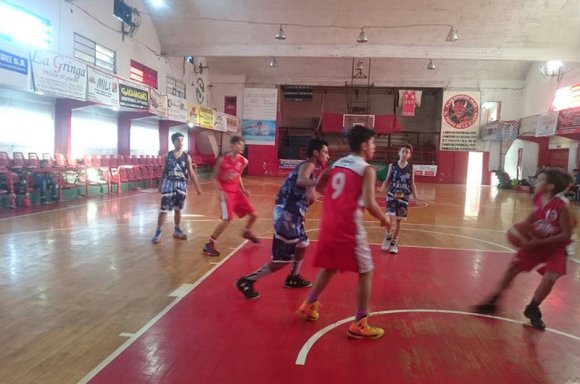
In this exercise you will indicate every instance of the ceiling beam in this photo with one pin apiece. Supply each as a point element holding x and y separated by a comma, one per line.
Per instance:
<point>379,51</point>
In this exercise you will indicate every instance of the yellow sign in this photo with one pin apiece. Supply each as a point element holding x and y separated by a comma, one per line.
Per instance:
<point>193,114</point>
<point>205,117</point>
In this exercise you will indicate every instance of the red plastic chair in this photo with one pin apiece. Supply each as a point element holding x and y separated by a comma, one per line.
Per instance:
<point>33,160</point>
<point>18,160</point>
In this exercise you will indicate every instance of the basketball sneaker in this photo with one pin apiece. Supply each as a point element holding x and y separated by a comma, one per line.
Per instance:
<point>246,286</point>
<point>156,237</point>
<point>178,234</point>
<point>250,236</point>
<point>386,242</point>
<point>362,330</point>
<point>209,250</point>
<point>309,311</point>
<point>296,282</point>
<point>394,248</point>
<point>533,313</point>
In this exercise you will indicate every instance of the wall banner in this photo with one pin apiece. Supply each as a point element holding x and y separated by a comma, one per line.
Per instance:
<point>102,88</point>
<point>157,103</point>
<point>259,123</point>
<point>232,124</point>
<point>57,75</point>
<point>219,121</point>
<point>205,117</point>
<point>176,108</point>
<point>14,65</point>
<point>569,121</point>
<point>459,121</point>
<point>192,114</point>
<point>132,95</point>
<point>408,103</point>
<point>425,170</point>
<point>546,125</point>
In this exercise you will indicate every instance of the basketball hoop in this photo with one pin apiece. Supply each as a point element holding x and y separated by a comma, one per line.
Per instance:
<point>349,121</point>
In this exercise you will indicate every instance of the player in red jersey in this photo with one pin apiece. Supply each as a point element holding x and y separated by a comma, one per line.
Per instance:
<point>552,224</point>
<point>343,245</point>
<point>234,196</point>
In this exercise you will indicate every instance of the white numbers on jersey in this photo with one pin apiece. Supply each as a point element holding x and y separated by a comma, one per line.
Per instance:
<point>337,183</point>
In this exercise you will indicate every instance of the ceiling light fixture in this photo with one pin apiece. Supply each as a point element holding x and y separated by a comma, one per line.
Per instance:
<point>273,63</point>
<point>551,68</point>
<point>362,36</point>
<point>281,35</point>
<point>431,66</point>
<point>453,35</point>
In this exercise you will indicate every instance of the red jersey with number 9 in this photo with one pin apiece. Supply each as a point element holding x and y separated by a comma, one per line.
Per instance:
<point>341,228</point>
<point>230,171</point>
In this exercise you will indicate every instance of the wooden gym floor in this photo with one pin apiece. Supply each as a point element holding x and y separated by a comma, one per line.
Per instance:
<point>85,296</point>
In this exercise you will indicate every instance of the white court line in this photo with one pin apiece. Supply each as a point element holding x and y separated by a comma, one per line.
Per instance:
<point>302,355</point>
<point>444,233</point>
<point>181,294</point>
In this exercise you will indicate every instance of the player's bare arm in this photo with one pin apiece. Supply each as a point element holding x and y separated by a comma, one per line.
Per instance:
<point>214,174</point>
<point>369,182</point>
<point>414,186</point>
<point>243,188</point>
<point>304,173</point>
<point>193,174</point>
<point>386,182</point>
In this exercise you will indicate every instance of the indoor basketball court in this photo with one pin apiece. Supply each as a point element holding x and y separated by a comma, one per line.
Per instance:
<point>101,304</point>
<point>420,296</point>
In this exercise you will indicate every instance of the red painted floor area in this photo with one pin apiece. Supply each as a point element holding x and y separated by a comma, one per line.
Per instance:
<point>215,335</point>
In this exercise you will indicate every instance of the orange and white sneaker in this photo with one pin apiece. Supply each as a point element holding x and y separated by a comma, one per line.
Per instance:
<point>309,311</point>
<point>362,330</point>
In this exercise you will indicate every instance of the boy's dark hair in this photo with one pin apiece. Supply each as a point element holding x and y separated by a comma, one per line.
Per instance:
<point>314,145</point>
<point>408,146</point>
<point>357,135</point>
<point>558,177</point>
<point>236,139</point>
<point>176,136</point>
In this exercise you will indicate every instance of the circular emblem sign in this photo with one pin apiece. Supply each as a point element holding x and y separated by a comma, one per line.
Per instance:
<point>461,111</point>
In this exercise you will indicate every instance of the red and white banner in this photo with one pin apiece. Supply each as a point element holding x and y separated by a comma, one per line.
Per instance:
<point>408,103</point>
<point>425,170</point>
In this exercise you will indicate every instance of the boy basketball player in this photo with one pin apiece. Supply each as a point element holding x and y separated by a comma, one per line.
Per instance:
<point>343,245</point>
<point>227,174</point>
<point>176,170</point>
<point>290,240</point>
<point>401,183</point>
<point>551,223</point>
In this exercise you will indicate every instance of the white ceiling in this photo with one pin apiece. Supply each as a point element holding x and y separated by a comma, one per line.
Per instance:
<point>499,39</point>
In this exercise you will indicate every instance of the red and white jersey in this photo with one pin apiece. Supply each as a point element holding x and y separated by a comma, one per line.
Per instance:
<point>342,235</point>
<point>546,217</point>
<point>230,171</point>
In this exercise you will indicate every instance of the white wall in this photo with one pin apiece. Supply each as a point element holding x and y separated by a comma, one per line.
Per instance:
<point>94,20</point>
<point>529,159</point>
<point>510,95</point>
<point>539,90</point>
<point>222,86</point>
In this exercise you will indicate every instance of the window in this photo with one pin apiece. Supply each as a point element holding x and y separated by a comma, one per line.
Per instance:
<point>93,133</point>
<point>19,25</point>
<point>175,87</point>
<point>27,123</point>
<point>143,74</point>
<point>144,137</point>
<point>94,53</point>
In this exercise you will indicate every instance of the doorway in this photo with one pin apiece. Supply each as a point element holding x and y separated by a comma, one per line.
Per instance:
<point>474,168</point>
